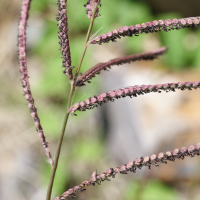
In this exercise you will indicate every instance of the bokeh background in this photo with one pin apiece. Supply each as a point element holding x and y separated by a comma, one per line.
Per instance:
<point>113,134</point>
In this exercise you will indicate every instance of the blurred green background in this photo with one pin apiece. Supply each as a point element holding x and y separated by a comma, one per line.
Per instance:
<point>83,149</point>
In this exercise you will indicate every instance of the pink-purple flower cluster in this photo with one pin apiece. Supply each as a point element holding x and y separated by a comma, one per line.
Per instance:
<point>25,77</point>
<point>89,74</point>
<point>148,27</point>
<point>90,6</point>
<point>132,166</point>
<point>131,91</point>
<point>63,37</point>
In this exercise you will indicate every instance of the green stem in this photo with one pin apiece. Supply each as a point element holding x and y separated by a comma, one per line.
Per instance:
<point>53,172</point>
<point>85,45</point>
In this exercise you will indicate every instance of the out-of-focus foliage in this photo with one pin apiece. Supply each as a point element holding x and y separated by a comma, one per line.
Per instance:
<point>152,190</point>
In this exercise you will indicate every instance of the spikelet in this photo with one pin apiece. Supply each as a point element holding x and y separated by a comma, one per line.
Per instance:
<point>90,6</point>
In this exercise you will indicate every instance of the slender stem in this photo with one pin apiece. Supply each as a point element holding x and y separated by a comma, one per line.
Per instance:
<point>85,45</point>
<point>53,172</point>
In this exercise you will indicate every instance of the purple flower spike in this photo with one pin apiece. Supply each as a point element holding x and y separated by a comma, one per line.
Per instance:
<point>63,37</point>
<point>131,91</point>
<point>150,27</point>
<point>89,74</point>
<point>25,78</point>
<point>132,166</point>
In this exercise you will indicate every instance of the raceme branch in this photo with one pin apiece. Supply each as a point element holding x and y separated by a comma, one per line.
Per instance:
<point>132,166</point>
<point>24,75</point>
<point>148,27</point>
<point>131,91</point>
<point>89,74</point>
<point>63,37</point>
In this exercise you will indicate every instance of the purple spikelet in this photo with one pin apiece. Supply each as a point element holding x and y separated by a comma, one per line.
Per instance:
<point>89,74</point>
<point>131,91</point>
<point>132,166</point>
<point>148,27</point>
<point>63,37</point>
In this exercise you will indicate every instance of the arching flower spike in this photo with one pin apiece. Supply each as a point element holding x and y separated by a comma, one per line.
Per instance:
<point>89,74</point>
<point>148,27</point>
<point>132,166</point>
<point>131,91</point>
